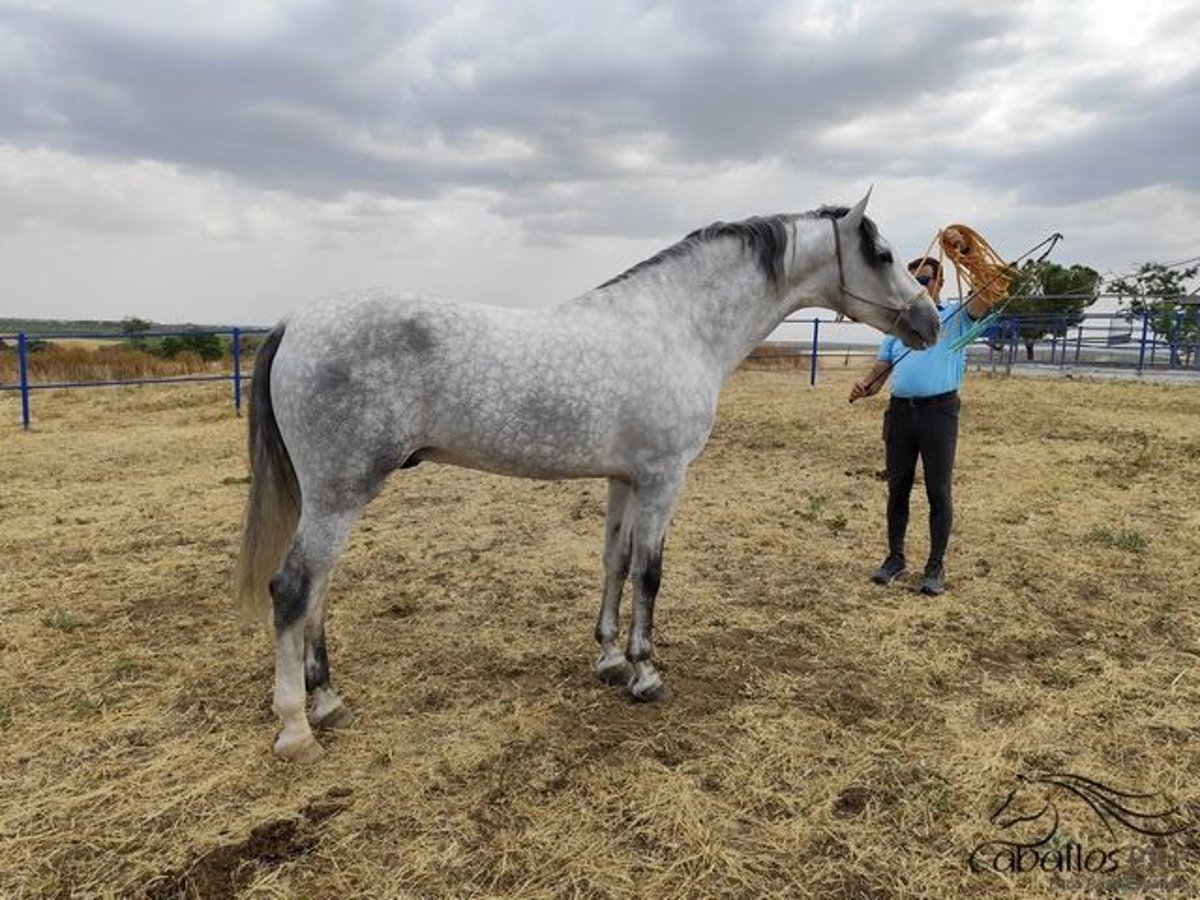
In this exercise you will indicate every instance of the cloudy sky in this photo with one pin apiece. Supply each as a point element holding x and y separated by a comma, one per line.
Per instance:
<point>210,161</point>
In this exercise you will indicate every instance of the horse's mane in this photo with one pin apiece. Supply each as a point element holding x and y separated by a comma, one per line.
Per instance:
<point>766,238</point>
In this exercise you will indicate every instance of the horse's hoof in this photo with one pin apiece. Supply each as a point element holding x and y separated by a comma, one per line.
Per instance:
<point>613,670</point>
<point>337,717</point>
<point>650,689</point>
<point>302,750</point>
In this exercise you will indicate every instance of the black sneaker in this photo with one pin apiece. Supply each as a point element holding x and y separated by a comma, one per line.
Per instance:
<point>934,582</point>
<point>891,569</point>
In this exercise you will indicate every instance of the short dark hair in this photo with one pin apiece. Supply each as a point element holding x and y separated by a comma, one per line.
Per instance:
<point>922,261</point>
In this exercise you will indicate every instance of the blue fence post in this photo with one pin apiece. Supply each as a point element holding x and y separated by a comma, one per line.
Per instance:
<point>23,366</point>
<point>812,375</point>
<point>1176,331</point>
<point>1013,343</point>
<point>1142,351</point>
<point>237,370</point>
<point>1195,314</point>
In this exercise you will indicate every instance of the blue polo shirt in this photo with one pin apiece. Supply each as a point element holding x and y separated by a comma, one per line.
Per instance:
<point>933,371</point>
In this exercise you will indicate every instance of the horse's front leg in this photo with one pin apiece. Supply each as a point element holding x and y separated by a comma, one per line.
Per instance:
<point>612,666</point>
<point>653,502</point>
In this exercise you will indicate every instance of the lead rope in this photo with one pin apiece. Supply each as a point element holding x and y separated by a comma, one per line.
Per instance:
<point>976,262</point>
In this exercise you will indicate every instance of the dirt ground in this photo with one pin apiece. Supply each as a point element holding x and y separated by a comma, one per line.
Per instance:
<point>828,738</point>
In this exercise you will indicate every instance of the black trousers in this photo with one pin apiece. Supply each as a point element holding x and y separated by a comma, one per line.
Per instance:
<point>927,428</point>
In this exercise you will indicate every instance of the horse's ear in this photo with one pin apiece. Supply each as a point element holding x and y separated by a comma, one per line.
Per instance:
<point>854,218</point>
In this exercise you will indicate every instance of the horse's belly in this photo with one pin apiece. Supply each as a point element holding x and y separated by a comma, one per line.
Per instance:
<point>536,464</point>
<point>546,444</point>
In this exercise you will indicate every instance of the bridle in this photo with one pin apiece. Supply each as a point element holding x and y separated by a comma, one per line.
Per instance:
<point>908,304</point>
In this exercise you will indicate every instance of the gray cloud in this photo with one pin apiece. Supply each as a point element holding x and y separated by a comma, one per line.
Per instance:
<point>1141,138</point>
<point>342,97</point>
<point>383,142</point>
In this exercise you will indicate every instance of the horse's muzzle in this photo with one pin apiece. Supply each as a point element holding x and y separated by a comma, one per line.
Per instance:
<point>918,325</point>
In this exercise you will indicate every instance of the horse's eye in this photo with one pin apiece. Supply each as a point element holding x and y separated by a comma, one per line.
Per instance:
<point>886,257</point>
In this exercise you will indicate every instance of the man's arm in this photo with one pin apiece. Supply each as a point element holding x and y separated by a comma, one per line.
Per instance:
<point>873,382</point>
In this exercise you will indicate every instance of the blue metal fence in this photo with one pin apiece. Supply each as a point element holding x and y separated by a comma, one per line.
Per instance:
<point>1114,341</point>
<point>27,387</point>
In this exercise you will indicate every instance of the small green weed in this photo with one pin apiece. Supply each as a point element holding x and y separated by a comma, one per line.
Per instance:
<point>816,505</point>
<point>125,669</point>
<point>62,619</point>
<point>84,707</point>
<point>501,782</point>
<point>1129,539</point>
<point>383,759</point>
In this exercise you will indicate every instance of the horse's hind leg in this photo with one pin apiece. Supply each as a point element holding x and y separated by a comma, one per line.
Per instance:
<point>612,666</point>
<point>295,593</point>
<point>326,709</point>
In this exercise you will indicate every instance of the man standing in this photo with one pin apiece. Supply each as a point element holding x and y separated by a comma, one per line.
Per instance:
<point>922,421</point>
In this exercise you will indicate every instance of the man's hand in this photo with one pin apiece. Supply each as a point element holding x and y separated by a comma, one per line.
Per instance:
<point>864,388</point>
<point>870,385</point>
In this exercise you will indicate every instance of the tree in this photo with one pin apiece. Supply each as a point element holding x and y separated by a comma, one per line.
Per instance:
<point>1154,291</point>
<point>204,345</point>
<point>135,330</point>
<point>1048,299</point>
<point>134,325</point>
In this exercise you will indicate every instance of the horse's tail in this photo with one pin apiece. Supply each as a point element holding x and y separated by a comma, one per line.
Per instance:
<point>273,508</point>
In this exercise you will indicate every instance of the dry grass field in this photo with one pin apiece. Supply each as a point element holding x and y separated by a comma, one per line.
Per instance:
<point>828,738</point>
<point>81,360</point>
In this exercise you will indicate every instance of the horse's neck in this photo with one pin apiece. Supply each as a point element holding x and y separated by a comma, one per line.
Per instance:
<point>717,302</point>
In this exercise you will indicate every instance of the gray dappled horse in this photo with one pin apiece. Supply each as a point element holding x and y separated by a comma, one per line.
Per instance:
<point>619,383</point>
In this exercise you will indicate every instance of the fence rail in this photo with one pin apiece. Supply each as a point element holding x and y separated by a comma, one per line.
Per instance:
<point>26,386</point>
<point>1114,340</point>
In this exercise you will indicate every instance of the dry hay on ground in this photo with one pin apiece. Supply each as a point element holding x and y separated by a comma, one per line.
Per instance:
<point>828,738</point>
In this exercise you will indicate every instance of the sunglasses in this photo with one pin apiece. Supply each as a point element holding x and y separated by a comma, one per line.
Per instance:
<point>924,280</point>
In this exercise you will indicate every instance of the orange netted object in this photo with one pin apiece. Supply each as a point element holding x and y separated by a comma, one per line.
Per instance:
<point>976,263</point>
